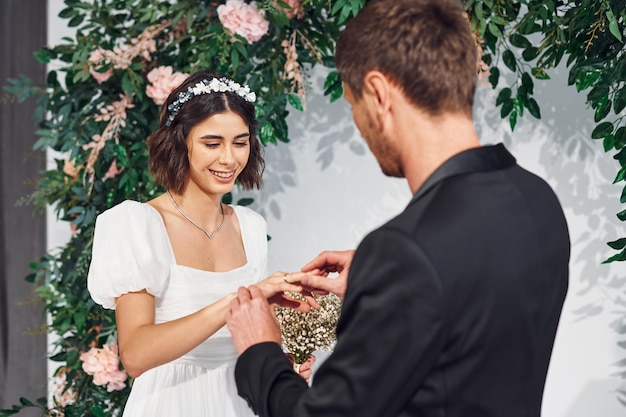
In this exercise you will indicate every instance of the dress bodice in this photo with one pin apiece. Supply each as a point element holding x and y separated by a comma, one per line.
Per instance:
<point>144,259</point>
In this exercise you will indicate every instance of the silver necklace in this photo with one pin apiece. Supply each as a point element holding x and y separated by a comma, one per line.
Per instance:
<point>209,235</point>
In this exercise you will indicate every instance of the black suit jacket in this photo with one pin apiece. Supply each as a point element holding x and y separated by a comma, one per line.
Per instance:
<point>451,308</point>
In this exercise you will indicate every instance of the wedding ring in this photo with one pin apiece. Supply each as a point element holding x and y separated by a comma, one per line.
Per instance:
<point>285,278</point>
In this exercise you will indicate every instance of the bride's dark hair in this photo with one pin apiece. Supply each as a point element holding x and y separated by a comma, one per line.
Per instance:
<point>167,146</point>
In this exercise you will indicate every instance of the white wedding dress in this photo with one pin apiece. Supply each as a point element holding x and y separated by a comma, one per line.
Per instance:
<point>131,251</point>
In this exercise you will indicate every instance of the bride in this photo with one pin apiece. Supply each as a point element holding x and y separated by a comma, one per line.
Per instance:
<point>171,266</point>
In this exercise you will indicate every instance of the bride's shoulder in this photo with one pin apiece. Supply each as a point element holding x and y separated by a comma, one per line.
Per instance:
<point>248,214</point>
<point>129,209</point>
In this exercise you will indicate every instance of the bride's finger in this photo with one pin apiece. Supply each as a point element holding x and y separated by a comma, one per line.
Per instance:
<point>294,277</point>
<point>311,300</point>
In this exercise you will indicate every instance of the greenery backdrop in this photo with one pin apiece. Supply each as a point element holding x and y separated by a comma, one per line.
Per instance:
<point>102,102</point>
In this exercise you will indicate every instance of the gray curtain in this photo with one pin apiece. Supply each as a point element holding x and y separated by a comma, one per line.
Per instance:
<point>22,232</point>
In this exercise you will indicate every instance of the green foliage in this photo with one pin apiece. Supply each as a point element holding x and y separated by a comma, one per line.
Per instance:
<point>188,36</point>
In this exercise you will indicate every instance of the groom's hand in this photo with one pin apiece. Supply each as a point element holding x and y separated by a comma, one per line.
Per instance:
<point>322,266</point>
<point>250,319</point>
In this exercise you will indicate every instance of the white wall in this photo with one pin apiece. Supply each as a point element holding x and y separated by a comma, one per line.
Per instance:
<point>325,191</point>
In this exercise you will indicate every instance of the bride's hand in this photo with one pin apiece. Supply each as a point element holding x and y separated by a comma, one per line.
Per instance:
<point>305,370</point>
<point>274,287</point>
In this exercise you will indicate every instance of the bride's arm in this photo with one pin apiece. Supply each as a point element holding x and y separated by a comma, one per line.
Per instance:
<point>144,345</point>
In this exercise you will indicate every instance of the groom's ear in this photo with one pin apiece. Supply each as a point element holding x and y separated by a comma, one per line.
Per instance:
<point>377,93</point>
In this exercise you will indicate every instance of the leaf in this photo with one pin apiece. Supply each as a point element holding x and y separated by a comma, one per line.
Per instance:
<point>332,79</point>
<point>519,41</point>
<point>598,93</point>
<point>295,101</point>
<point>72,358</point>
<point>503,96</point>
<point>622,215</point>
<point>602,130</point>
<point>67,13</point>
<point>585,79</point>
<point>234,57</point>
<point>533,108</point>
<point>127,84</point>
<point>528,83</point>
<point>343,16</point>
<point>616,258</point>
<point>338,6</point>
<point>227,198</point>
<point>25,401</point>
<point>76,20</point>
<point>613,26</point>
<point>44,56</point>
<point>266,133</point>
<point>97,411</point>
<point>507,108</point>
<point>621,175</point>
<point>241,49</point>
<point>494,76</point>
<point>522,93</point>
<point>529,27</point>
<point>478,10</point>
<point>513,120</point>
<point>494,30</point>
<point>280,17</point>
<point>618,244</point>
<point>608,143</point>
<point>509,60</point>
<point>336,94</point>
<point>529,53</point>
<point>518,104</point>
<point>80,319</point>
<point>619,101</point>
<point>540,73</point>
<point>245,201</point>
<point>31,278</point>
<point>621,156</point>
<point>603,109</point>
<point>620,137</point>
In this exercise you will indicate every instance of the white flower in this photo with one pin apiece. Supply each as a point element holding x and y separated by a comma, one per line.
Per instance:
<point>304,333</point>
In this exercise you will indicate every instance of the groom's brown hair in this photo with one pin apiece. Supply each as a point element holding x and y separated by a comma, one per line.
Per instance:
<point>426,47</point>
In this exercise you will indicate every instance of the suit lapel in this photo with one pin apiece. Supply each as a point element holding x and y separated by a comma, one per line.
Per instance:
<point>482,159</point>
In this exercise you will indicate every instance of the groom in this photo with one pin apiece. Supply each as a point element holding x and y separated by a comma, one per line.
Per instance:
<point>451,308</point>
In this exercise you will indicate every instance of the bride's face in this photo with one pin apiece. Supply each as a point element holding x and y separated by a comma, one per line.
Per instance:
<point>218,150</point>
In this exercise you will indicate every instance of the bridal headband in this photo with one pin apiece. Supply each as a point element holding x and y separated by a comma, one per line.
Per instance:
<point>215,85</point>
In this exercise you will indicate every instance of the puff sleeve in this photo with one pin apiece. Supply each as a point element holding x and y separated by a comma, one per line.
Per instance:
<point>131,252</point>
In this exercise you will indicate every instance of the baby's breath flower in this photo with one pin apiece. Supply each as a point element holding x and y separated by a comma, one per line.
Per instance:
<point>304,333</point>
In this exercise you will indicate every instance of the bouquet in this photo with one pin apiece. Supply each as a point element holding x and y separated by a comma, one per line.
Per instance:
<point>304,333</point>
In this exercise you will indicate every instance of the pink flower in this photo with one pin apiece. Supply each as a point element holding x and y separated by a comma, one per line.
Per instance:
<point>294,10</point>
<point>104,365</point>
<point>61,395</point>
<point>70,168</point>
<point>113,171</point>
<point>95,58</point>
<point>243,19</point>
<point>163,80</point>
